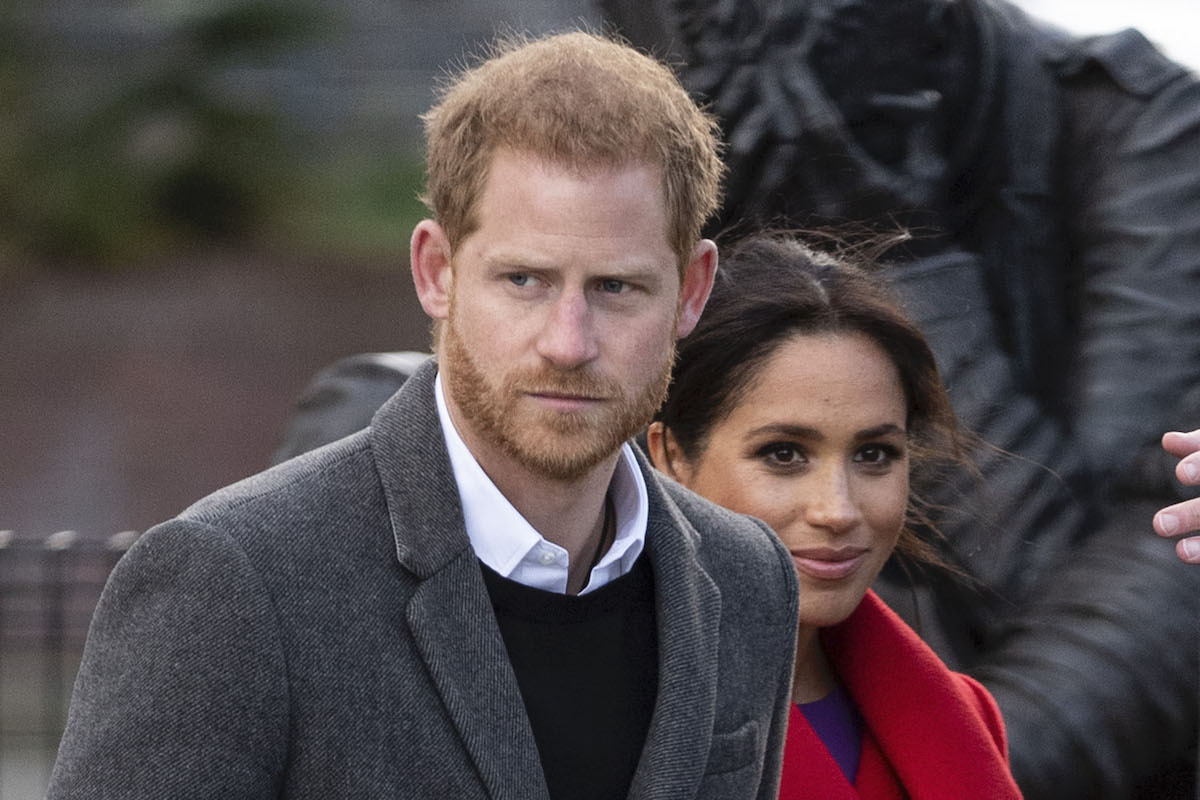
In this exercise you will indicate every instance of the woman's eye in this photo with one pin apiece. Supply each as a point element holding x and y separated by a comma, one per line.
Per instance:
<point>781,454</point>
<point>876,454</point>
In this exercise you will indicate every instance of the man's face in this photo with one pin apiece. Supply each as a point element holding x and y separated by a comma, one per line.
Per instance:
<point>563,313</point>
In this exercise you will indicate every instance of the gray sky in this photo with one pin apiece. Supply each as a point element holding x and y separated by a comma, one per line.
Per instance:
<point>1174,25</point>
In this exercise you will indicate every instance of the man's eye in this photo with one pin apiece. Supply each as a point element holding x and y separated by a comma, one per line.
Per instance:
<point>612,286</point>
<point>520,279</point>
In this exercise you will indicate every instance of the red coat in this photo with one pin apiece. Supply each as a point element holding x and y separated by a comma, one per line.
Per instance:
<point>928,733</point>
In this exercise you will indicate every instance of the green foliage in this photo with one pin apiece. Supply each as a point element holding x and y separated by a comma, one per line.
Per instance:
<point>251,28</point>
<point>162,154</point>
<point>359,205</point>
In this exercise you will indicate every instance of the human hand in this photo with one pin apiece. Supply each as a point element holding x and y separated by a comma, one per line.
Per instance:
<point>1183,517</point>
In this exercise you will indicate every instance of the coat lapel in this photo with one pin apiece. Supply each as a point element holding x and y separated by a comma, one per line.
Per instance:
<point>455,630</point>
<point>450,614</point>
<point>688,607</point>
<point>809,771</point>
<point>876,778</point>
<point>926,724</point>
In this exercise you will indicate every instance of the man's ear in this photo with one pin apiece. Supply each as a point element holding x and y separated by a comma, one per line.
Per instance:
<point>665,454</point>
<point>430,259</point>
<point>698,277</point>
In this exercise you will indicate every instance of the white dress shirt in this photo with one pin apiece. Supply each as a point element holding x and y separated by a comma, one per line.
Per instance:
<point>507,543</point>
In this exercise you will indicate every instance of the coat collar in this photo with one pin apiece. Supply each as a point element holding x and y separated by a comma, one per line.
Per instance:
<point>450,614</point>
<point>455,630</point>
<point>418,484</point>
<point>688,608</point>
<point>809,771</point>
<point>941,739</point>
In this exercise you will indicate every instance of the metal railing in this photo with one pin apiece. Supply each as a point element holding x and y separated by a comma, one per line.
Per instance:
<point>49,585</point>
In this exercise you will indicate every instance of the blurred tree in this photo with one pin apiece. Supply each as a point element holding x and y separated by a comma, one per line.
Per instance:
<point>172,150</point>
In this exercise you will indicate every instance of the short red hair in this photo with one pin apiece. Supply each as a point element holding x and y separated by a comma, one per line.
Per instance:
<point>580,100</point>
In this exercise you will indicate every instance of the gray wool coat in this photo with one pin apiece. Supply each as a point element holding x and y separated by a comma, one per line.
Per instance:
<point>322,630</point>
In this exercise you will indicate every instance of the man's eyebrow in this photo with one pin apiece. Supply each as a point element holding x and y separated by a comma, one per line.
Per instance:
<point>510,264</point>
<point>629,270</point>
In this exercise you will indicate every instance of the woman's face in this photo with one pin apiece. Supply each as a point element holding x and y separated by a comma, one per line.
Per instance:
<point>817,450</point>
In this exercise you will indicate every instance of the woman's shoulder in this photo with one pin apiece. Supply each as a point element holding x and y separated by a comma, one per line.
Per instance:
<point>985,706</point>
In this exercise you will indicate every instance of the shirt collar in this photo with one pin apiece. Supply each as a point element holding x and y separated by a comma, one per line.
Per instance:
<point>505,541</point>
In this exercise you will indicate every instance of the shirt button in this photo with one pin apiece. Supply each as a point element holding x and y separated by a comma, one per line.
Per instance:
<point>547,558</point>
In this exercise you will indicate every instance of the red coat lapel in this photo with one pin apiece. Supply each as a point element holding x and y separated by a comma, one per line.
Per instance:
<point>938,730</point>
<point>876,780</point>
<point>809,771</point>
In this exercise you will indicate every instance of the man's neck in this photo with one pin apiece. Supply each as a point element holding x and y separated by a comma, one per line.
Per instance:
<point>568,513</point>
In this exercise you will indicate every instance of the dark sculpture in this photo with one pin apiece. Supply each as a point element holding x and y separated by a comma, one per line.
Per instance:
<point>1062,295</point>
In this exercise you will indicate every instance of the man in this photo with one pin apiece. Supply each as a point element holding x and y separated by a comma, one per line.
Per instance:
<point>486,593</point>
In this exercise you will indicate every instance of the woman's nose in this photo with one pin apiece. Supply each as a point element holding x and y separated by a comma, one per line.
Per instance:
<point>831,504</point>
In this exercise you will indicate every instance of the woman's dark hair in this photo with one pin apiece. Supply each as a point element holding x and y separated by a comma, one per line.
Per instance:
<point>772,287</point>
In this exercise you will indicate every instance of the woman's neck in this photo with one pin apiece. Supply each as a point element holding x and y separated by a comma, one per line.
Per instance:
<point>813,677</point>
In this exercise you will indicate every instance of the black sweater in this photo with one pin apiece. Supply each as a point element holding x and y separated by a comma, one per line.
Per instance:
<point>587,666</point>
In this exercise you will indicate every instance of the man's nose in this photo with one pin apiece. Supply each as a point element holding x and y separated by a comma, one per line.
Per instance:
<point>831,504</point>
<point>568,339</point>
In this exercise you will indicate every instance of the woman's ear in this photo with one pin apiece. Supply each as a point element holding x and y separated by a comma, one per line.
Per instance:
<point>665,453</point>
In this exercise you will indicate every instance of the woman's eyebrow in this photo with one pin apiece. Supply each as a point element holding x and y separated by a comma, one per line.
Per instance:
<point>885,429</point>
<point>813,434</point>
<point>787,429</point>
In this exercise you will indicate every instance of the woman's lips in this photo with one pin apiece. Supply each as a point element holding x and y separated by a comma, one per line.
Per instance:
<point>829,564</point>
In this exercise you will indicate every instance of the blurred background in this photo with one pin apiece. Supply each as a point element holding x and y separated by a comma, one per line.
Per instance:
<point>201,204</point>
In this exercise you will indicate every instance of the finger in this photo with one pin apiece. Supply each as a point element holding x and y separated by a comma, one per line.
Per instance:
<point>1178,519</point>
<point>1188,470</point>
<point>1181,444</point>
<point>1188,550</point>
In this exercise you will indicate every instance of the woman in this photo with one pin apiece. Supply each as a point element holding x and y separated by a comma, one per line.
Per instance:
<point>804,397</point>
